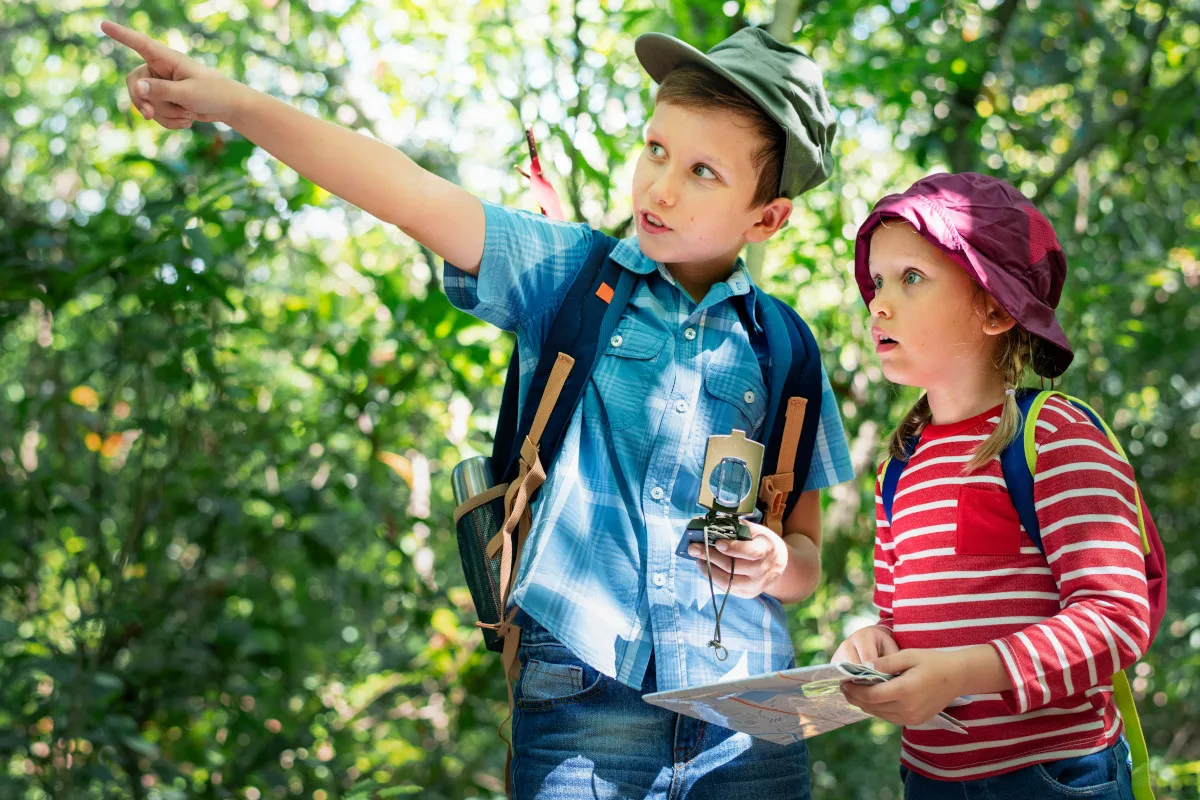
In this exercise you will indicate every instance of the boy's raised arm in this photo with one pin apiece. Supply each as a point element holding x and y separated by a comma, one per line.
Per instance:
<point>174,90</point>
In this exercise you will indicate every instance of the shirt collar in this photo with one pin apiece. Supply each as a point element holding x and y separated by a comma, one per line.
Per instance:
<point>630,256</point>
<point>738,284</point>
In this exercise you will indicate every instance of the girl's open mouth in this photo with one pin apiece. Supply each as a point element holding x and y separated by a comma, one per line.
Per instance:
<point>883,342</point>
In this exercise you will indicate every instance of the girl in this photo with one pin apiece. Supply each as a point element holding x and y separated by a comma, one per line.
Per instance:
<point>961,275</point>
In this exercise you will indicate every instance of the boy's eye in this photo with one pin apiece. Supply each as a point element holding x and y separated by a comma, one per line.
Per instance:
<point>655,149</point>
<point>701,171</point>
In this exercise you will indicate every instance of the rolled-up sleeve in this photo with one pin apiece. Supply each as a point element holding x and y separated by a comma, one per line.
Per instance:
<point>527,266</point>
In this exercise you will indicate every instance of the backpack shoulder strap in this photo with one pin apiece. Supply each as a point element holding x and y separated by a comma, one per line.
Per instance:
<point>1098,421</point>
<point>893,468</point>
<point>1019,460</point>
<point>1018,465</point>
<point>588,314</point>
<point>528,438</point>
<point>793,380</point>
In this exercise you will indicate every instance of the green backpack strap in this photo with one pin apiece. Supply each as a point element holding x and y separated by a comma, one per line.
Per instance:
<point>1122,692</point>
<point>1123,695</point>
<point>1031,448</point>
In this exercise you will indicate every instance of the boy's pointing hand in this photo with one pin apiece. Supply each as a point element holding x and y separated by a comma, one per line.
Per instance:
<point>171,88</point>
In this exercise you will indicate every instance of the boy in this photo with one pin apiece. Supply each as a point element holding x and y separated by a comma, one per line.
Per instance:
<point>606,610</point>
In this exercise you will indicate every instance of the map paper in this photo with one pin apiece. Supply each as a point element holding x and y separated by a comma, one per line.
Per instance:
<point>785,706</point>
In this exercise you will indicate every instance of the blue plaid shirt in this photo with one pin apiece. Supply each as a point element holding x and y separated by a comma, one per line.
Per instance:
<point>599,569</point>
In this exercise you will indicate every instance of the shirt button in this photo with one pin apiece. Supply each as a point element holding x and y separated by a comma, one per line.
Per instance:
<point>681,406</point>
<point>660,579</point>
<point>748,397</point>
<point>689,333</point>
<point>657,493</point>
<point>616,340</point>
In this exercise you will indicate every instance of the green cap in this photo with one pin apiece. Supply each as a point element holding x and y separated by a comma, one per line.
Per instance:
<point>784,82</point>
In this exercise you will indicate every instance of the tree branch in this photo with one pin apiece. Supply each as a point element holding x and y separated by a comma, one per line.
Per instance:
<point>961,152</point>
<point>1098,131</point>
<point>782,24</point>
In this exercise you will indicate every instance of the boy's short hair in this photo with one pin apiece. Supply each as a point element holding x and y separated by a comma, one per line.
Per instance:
<point>694,87</point>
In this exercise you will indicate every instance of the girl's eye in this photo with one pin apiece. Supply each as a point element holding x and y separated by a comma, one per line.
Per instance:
<point>878,281</point>
<point>912,278</point>
<point>701,171</point>
<point>655,149</point>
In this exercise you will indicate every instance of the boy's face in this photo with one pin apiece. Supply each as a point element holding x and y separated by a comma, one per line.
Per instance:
<point>692,190</point>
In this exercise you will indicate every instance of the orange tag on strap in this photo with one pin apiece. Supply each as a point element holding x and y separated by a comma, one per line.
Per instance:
<point>605,292</point>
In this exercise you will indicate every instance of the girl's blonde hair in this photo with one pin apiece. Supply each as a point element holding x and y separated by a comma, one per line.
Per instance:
<point>1014,352</point>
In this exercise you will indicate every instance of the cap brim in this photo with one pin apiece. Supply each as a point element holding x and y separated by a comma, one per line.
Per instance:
<point>661,55</point>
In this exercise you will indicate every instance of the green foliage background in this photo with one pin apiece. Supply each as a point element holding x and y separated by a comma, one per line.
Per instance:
<point>229,404</point>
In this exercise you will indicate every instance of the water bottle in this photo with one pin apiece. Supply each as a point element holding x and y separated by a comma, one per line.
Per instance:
<point>475,528</point>
<point>470,477</point>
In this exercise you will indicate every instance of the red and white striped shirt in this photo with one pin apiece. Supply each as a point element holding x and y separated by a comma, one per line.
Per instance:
<point>955,568</point>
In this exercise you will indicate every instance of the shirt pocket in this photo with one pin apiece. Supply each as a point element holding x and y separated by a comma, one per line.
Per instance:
<point>627,374</point>
<point>733,397</point>
<point>987,523</point>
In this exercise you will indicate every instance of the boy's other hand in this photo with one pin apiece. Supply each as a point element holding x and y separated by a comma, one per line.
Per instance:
<point>759,561</point>
<point>865,645</point>
<point>171,88</point>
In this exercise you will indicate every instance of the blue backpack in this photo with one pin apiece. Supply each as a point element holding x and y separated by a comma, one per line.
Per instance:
<point>588,316</point>
<point>492,524</point>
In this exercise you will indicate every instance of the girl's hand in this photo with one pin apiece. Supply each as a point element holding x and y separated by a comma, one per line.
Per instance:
<point>868,644</point>
<point>759,561</point>
<point>171,88</point>
<point>929,680</point>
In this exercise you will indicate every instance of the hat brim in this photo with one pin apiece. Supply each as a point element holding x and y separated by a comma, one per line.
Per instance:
<point>1052,353</point>
<point>661,54</point>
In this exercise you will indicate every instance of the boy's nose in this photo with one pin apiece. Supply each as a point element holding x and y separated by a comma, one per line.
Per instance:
<point>662,192</point>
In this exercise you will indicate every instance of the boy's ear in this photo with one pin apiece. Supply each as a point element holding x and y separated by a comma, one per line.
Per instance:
<point>771,217</point>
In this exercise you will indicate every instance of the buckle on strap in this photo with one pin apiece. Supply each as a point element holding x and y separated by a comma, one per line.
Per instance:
<point>774,492</point>
<point>506,626</point>
<point>529,455</point>
<point>518,518</point>
<point>528,479</point>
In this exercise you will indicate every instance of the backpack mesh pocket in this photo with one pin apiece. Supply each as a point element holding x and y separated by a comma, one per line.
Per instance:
<point>476,526</point>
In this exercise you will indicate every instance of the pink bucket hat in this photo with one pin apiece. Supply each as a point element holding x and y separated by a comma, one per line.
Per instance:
<point>995,233</point>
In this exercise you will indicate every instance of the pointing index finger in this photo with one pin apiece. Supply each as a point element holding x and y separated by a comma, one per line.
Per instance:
<point>155,54</point>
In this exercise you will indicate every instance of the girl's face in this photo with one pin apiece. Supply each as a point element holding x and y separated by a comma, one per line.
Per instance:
<point>929,324</point>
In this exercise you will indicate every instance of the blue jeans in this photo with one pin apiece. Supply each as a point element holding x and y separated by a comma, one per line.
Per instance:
<point>579,734</point>
<point>1106,775</point>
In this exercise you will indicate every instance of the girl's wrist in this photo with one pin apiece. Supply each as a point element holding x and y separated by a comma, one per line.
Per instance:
<point>980,671</point>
